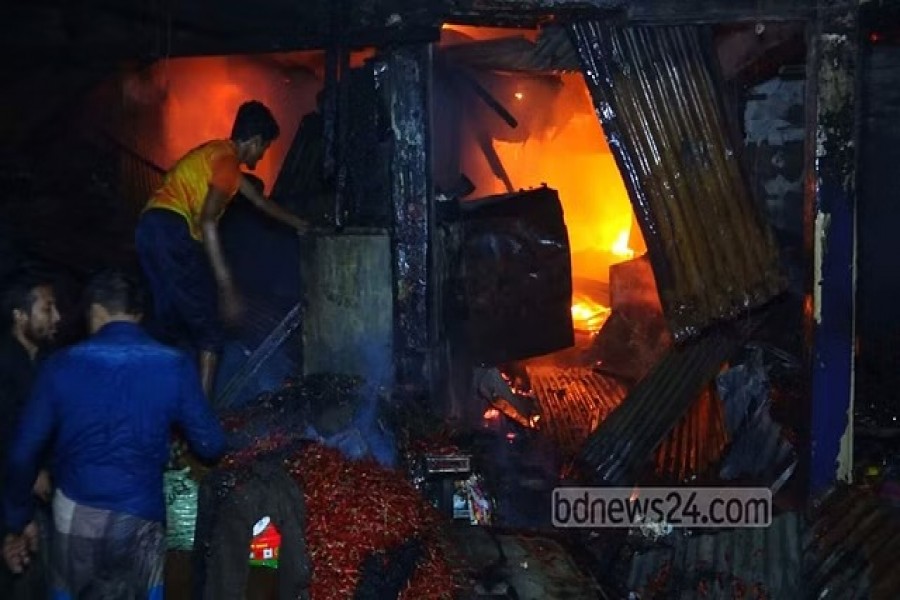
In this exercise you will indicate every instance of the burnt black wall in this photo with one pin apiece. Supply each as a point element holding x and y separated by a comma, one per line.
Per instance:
<point>878,295</point>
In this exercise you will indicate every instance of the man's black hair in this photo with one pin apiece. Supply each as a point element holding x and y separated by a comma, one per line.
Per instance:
<point>19,294</point>
<point>254,118</point>
<point>116,291</point>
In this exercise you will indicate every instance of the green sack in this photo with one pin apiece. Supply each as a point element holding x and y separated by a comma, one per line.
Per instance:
<point>181,509</point>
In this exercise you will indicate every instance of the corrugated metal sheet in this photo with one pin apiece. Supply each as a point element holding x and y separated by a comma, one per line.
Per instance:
<point>627,438</point>
<point>712,255</point>
<point>852,547</point>
<point>742,563</point>
<point>573,402</point>
<point>697,442</point>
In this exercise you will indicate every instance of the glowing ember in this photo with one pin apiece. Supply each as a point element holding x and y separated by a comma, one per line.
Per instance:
<point>587,315</point>
<point>515,386</point>
<point>519,96</point>
<point>491,414</point>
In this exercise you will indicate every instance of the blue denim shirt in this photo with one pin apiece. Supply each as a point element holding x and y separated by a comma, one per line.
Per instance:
<point>109,404</point>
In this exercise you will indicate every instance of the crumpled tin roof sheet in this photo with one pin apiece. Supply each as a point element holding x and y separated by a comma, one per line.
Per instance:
<point>573,402</point>
<point>620,447</point>
<point>713,255</point>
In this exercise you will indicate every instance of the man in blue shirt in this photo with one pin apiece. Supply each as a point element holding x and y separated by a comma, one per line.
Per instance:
<point>108,404</point>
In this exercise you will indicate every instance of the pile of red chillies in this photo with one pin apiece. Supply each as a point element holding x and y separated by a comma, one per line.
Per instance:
<point>354,509</point>
<point>357,508</point>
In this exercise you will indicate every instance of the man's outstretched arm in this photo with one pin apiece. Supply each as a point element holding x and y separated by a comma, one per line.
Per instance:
<point>271,208</point>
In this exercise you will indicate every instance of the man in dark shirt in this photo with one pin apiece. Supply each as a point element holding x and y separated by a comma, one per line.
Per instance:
<point>108,404</point>
<point>30,320</point>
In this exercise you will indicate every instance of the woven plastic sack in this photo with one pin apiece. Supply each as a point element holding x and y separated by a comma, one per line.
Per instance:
<point>181,509</point>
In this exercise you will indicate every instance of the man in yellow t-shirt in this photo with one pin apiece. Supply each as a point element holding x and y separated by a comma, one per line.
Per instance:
<point>177,235</point>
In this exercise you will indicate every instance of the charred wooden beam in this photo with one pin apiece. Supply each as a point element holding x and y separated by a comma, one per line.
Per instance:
<point>634,11</point>
<point>404,73</point>
<point>715,11</point>
<point>133,29</point>
<point>49,32</point>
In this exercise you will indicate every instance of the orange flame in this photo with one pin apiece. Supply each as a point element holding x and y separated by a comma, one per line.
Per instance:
<point>588,315</point>
<point>620,247</point>
<point>454,33</point>
<point>558,142</point>
<point>183,102</point>
<point>567,151</point>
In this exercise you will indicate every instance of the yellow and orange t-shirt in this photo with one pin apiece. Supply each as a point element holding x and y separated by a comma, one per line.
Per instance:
<point>185,186</point>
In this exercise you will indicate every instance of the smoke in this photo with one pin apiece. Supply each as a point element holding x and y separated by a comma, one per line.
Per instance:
<point>379,439</point>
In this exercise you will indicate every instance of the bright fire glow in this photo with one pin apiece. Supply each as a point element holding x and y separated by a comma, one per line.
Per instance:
<point>620,246</point>
<point>588,315</point>
<point>177,104</point>
<point>558,142</point>
<point>454,33</point>
<point>567,150</point>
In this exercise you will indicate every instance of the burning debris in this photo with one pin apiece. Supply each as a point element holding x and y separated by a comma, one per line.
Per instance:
<point>495,390</point>
<point>574,401</point>
<point>558,228</point>
<point>587,315</point>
